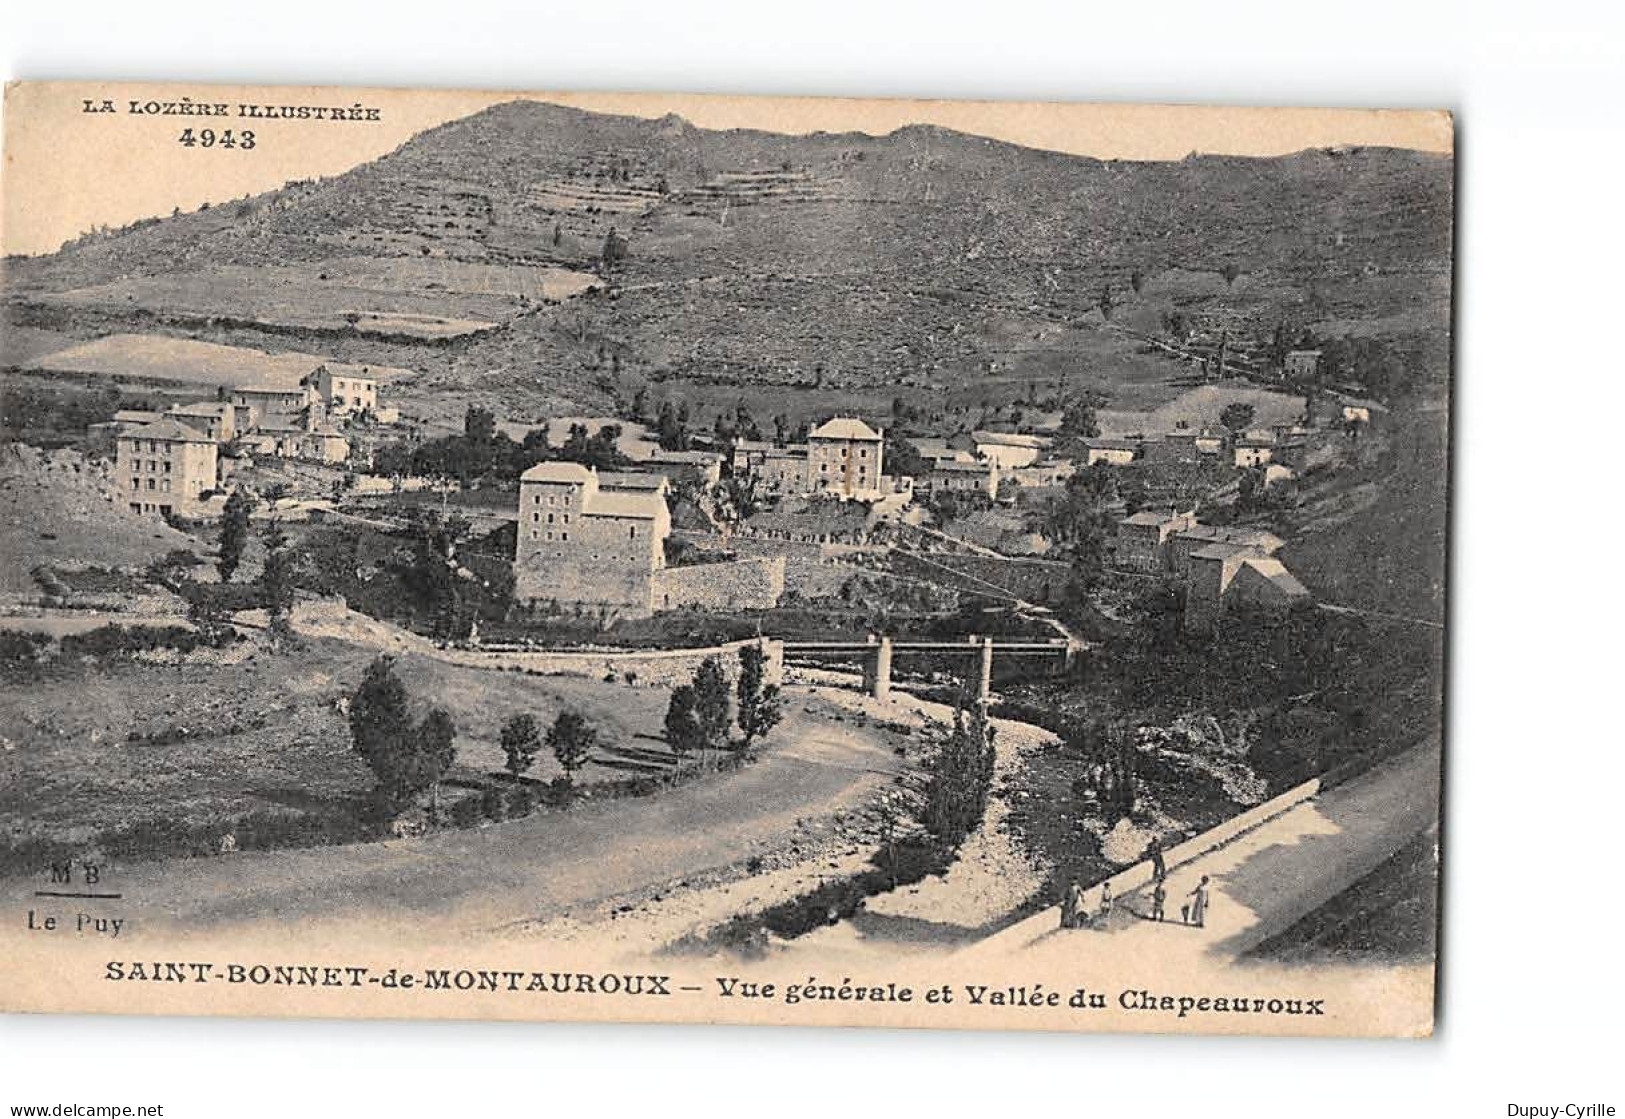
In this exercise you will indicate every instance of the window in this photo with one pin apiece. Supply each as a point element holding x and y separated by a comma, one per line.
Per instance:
<point>152,483</point>
<point>550,518</point>
<point>135,483</point>
<point>566,518</point>
<point>563,536</point>
<point>165,486</point>
<point>536,517</point>
<point>550,536</point>
<point>168,467</point>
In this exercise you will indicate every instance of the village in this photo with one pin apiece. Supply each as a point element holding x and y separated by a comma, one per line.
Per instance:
<point>624,541</point>
<point>294,511</point>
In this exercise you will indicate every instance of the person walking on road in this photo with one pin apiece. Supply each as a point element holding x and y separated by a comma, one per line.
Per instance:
<point>1159,869</point>
<point>1159,895</point>
<point>1198,898</point>
<point>1071,903</point>
<point>1105,900</point>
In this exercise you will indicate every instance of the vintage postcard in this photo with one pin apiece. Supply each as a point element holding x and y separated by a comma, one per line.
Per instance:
<point>698,559</point>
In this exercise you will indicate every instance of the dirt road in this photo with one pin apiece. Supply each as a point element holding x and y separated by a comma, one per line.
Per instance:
<point>465,881</point>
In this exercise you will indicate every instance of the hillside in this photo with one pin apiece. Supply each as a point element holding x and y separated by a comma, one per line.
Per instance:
<point>924,257</point>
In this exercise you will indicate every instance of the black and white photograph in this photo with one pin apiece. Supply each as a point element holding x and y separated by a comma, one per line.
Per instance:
<point>619,556</point>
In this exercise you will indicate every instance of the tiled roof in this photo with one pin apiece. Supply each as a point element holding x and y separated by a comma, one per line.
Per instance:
<point>167,430</point>
<point>569,472</point>
<point>614,503</point>
<point>1275,571</point>
<point>844,427</point>
<point>627,480</point>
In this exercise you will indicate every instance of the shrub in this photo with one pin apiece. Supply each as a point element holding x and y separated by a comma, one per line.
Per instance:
<point>493,804</point>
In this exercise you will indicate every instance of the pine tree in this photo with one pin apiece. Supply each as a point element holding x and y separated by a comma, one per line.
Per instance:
<point>683,733</point>
<point>233,532</point>
<point>760,707</point>
<point>277,578</point>
<point>711,702</point>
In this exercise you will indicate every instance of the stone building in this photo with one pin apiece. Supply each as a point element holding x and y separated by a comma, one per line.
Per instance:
<point>266,404</point>
<point>1227,578</point>
<point>1142,539</point>
<point>959,477</point>
<point>581,544</point>
<point>216,419</point>
<point>1186,541</point>
<point>1110,450</point>
<point>1255,448</point>
<point>1303,364</point>
<point>344,389</point>
<point>165,467</point>
<point>843,458</point>
<point>776,469</point>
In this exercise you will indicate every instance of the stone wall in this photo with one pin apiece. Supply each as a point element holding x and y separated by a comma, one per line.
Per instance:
<point>756,583</point>
<point>654,668</point>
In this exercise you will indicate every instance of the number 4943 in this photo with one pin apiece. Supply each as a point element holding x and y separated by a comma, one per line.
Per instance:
<point>209,138</point>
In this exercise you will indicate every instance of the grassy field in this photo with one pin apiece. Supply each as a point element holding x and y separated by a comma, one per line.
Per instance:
<point>156,357</point>
<point>87,752</point>
<point>426,299</point>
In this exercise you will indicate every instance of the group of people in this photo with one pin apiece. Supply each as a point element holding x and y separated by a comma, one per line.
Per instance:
<point>1076,915</point>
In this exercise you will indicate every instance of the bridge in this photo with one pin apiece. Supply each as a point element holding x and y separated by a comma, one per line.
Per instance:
<point>878,652</point>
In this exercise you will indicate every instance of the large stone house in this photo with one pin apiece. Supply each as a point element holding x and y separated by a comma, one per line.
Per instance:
<point>581,544</point>
<point>165,467</point>
<point>843,458</point>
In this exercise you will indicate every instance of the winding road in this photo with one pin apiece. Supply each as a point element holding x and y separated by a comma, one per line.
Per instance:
<point>457,882</point>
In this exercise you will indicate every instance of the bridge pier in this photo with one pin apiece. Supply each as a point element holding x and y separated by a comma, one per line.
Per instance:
<point>877,670</point>
<point>984,682</point>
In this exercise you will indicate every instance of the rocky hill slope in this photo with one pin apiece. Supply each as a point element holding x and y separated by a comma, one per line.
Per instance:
<point>924,257</point>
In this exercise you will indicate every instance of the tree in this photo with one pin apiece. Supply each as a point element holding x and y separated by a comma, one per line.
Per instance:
<point>404,759</point>
<point>233,532</point>
<point>572,739</point>
<point>1079,419</point>
<point>479,425</point>
<point>615,250</point>
<point>760,707</point>
<point>903,459</point>
<point>521,741</point>
<point>436,749</point>
<point>683,733</point>
<point>1237,416</point>
<point>278,577</point>
<point>711,705</point>
<point>671,427</point>
<point>961,776</point>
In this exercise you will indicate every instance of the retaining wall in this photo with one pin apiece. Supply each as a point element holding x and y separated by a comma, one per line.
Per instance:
<point>756,583</point>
